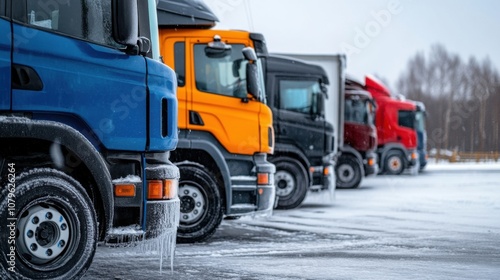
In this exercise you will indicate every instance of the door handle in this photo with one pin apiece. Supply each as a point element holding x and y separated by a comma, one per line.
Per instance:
<point>25,78</point>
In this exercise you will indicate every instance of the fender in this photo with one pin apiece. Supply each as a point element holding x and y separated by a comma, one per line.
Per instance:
<point>382,152</point>
<point>348,150</point>
<point>74,141</point>
<point>282,148</point>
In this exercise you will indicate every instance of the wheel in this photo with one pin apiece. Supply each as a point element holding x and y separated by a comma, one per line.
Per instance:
<point>201,205</point>
<point>291,183</point>
<point>394,163</point>
<point>348,173</point>
<point>55,226</point>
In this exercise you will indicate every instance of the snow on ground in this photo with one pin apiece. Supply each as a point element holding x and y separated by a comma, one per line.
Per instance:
<point>446,165</point>
<point>441,224</point>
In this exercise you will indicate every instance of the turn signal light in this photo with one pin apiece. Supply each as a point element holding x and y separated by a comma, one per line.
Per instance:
<point>326,171</point>
<point>163,189</point>
<point>170,189</point>
<point>262,179</point>
<point>414,155</point>
<point>371,161</point>
<point>125,190</point>
<point>155,189</point>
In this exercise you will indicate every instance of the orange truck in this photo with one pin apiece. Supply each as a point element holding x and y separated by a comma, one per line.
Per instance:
<point>225,126</point>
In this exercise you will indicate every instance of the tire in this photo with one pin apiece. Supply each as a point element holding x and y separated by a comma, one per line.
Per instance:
<point>348,173</point>
<point>201,205</point>
<point>291,182</point>
<point>394,163</point>
<point>56,227</point>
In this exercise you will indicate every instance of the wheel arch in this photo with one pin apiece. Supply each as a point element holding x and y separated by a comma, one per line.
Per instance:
<point>291,151</point>
<point>202,153</point>
<point>81,161</point>
<point>348,151</point>
<point>384,151</point>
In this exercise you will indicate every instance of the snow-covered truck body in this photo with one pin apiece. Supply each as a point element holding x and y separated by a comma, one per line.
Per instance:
<point>296,92</point>
<point>225,126</point>
<point>88,116</point>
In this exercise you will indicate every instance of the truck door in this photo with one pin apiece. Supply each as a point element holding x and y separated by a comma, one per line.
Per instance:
<point>219,98</point>
<point>299,115</point>
<point>69,68</point>
<point>5,47</point>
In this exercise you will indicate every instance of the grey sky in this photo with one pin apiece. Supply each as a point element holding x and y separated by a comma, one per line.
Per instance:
<point>380,46</point>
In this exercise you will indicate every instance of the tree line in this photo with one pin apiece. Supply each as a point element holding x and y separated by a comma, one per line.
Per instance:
<point>462,99</point>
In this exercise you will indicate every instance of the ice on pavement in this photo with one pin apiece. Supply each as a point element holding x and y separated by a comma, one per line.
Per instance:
<point>441,224</point>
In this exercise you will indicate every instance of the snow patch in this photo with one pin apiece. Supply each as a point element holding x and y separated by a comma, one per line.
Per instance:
<point>463,166</point>
<point>132,229</point>
<point>242,206</point>
<point>128,179</point>
<point>244,178</point>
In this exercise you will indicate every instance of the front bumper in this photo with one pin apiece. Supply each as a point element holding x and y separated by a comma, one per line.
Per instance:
<point>251,195</point>
<point>323,177</point>
<point>136,217</point>
<point>162,217</point>
<point>422,156</point>
<point>370,164</point>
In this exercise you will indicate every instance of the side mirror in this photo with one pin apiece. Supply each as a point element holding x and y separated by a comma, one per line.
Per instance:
<point>249,54</point>
<point>125,22</point>
<point>324,90</point>
<point>321,105</point>
<point>318,106</point>
<point>253,80</point>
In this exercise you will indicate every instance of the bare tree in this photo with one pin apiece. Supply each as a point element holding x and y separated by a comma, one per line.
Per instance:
<point>462,99</point>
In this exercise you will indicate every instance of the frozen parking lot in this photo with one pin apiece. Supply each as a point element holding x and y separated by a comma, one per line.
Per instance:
<point>442,224</point>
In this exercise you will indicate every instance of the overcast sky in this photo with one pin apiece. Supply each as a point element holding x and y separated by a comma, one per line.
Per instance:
<point>378,36</point>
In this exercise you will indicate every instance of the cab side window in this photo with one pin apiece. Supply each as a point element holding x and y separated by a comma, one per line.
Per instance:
<point>180,62</point>
<point>406,119</point>
<point>84,19</point>
<point>2,8</point>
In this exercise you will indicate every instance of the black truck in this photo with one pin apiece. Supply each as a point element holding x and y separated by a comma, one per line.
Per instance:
<point>304,143</point>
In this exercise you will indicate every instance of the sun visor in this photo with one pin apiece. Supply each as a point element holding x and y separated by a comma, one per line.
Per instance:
<point>185,13</point>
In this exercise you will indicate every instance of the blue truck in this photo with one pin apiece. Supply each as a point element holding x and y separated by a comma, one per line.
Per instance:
<point>88,117</point>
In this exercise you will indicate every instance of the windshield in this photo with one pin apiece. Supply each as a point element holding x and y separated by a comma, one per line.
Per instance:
<point>359,111</point>
<point>300,96</point>
<point>420,121</point>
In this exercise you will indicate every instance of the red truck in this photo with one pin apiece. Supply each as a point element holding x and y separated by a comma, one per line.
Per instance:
<point>359,157</point>
<point>396,132</point>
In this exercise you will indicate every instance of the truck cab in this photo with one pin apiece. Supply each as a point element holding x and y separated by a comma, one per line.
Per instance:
<point>359,157</point>
<point>226,130</point>
<point>88,117</point>
<point>304,139</point>
<point>396,132</point>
